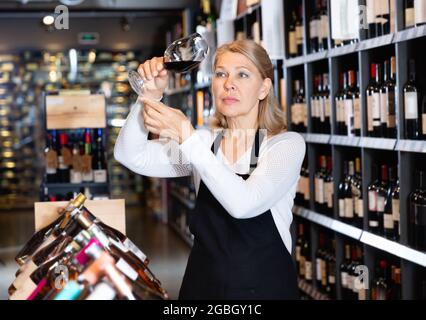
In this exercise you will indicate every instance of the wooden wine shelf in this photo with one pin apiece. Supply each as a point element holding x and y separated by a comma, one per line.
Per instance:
<point>363,236</point>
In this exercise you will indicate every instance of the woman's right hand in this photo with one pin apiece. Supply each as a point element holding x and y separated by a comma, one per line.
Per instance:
<point>155,77</point>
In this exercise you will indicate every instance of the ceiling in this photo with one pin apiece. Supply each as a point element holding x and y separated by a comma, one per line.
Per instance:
<point>97,4</point>
<point>149,21</point>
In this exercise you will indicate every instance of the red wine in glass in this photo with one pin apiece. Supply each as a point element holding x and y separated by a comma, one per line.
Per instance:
<point>181,66</point>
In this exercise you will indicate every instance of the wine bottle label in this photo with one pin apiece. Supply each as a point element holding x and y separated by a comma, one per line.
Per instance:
<point>380,204</point>
<point>372,200</point>
<point>362,294</point>
<point>313,108</point>
<point>371,12</point>
<point>87,176</point>
<point>388,221</point>
<point>299,34</point>
<point>349,208</point>
<point>409,17</point>
<point>357,114</point>
<point>302,266</point>
<point>51,159</point>
<point>61,163</point>
<point>424,123</point>
<point>331,279</point>
<point>342,208</point>
<point>308,270</point>
<point>321,106</point>
<point>384,112</point>
<point>313,29</point>
<point>100,176</point>
<point>370,105</point>
<point>373,223</point>
<point>305,115</point>
<point>292,45</point>
<point>395,210</point>
<point>360,208</point>
<point>75,176</point>
<point>324,27</point>
<point>411,108</point>
<point>323,273</point>
<point>319,275</point>
<point>327,107</point>
<point>51,170</point>
<point>419,11</point>
<point>350,282</point>
<point>67,156</point>
<point>321,197</point>
<point>126,269</point>
<point>329,194</point>
<point>297,252</point>
<point>344,279</point>
<point>376,109</point>
<point>132,247</point>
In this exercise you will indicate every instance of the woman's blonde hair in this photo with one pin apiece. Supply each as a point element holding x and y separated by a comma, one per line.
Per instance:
<point>271,117</point>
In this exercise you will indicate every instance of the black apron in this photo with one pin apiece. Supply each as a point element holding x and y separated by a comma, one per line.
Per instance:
<point>236,258</point>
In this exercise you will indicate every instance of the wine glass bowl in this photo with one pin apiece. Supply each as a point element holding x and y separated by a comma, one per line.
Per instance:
<point>181,56</point>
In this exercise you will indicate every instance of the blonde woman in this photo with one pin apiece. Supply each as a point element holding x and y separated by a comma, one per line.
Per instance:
<point>245,170</point>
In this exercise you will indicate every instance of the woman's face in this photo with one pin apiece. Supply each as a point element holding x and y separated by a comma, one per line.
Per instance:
<point>237,85</point>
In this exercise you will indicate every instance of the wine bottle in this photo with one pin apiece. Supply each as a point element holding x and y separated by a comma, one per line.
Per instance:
<point>419,12</point>
<point>329,187</point>
<point>418,206</point>
<point>388,100</point>
<point>306,253</point>
<point>64,156</point>
<point>75,172</point>
<point>411,104</point>
<point>51,155</point>
<point>383,197</point>
<point>314,28</point>
<point>409,13</point>
<point>340,117</point>
<point>292,43</point>
<point>357,199</point>
<point>357,108</point>
<point>373,217</point>
<point>320,175</point>
<point>373,102</point>
<point>372,19</point>
<point>87,157</point>
<point>325,100</point>
<point>348,97</point>
<point>396,208</point>
<point>300,262</point>
<point>99,165</point>
<point>344,272</point>
<point>300,30</point>
<point>345,195</point>
<point>323,34</point>
<point>319,262</point>
<point>388,219</point>
<point>315,114</point>
<point>423,119</point>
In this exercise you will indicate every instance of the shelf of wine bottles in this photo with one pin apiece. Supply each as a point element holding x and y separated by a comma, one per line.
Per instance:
<point>102,263</point>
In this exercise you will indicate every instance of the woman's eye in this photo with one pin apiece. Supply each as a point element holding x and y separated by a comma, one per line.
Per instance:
<point>243,75</point>
<point>220,74</point>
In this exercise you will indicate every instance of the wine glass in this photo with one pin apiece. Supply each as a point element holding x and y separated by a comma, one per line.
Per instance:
<point>181,56</point>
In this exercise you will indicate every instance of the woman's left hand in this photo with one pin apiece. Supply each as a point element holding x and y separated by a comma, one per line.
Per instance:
<point>165,121</point>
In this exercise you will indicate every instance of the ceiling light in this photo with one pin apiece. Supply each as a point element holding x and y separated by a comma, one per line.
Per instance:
<point>48,20</point>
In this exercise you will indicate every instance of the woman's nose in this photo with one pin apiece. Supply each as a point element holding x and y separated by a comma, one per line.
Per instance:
<point>229,83</point>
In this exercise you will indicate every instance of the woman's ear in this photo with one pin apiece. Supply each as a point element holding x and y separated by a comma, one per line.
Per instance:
<point>264,89</point>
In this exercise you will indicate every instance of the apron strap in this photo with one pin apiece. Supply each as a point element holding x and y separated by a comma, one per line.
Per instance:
<point>254,150</point>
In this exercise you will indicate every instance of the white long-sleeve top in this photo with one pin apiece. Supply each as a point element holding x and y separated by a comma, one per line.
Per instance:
<point>272,185</point>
